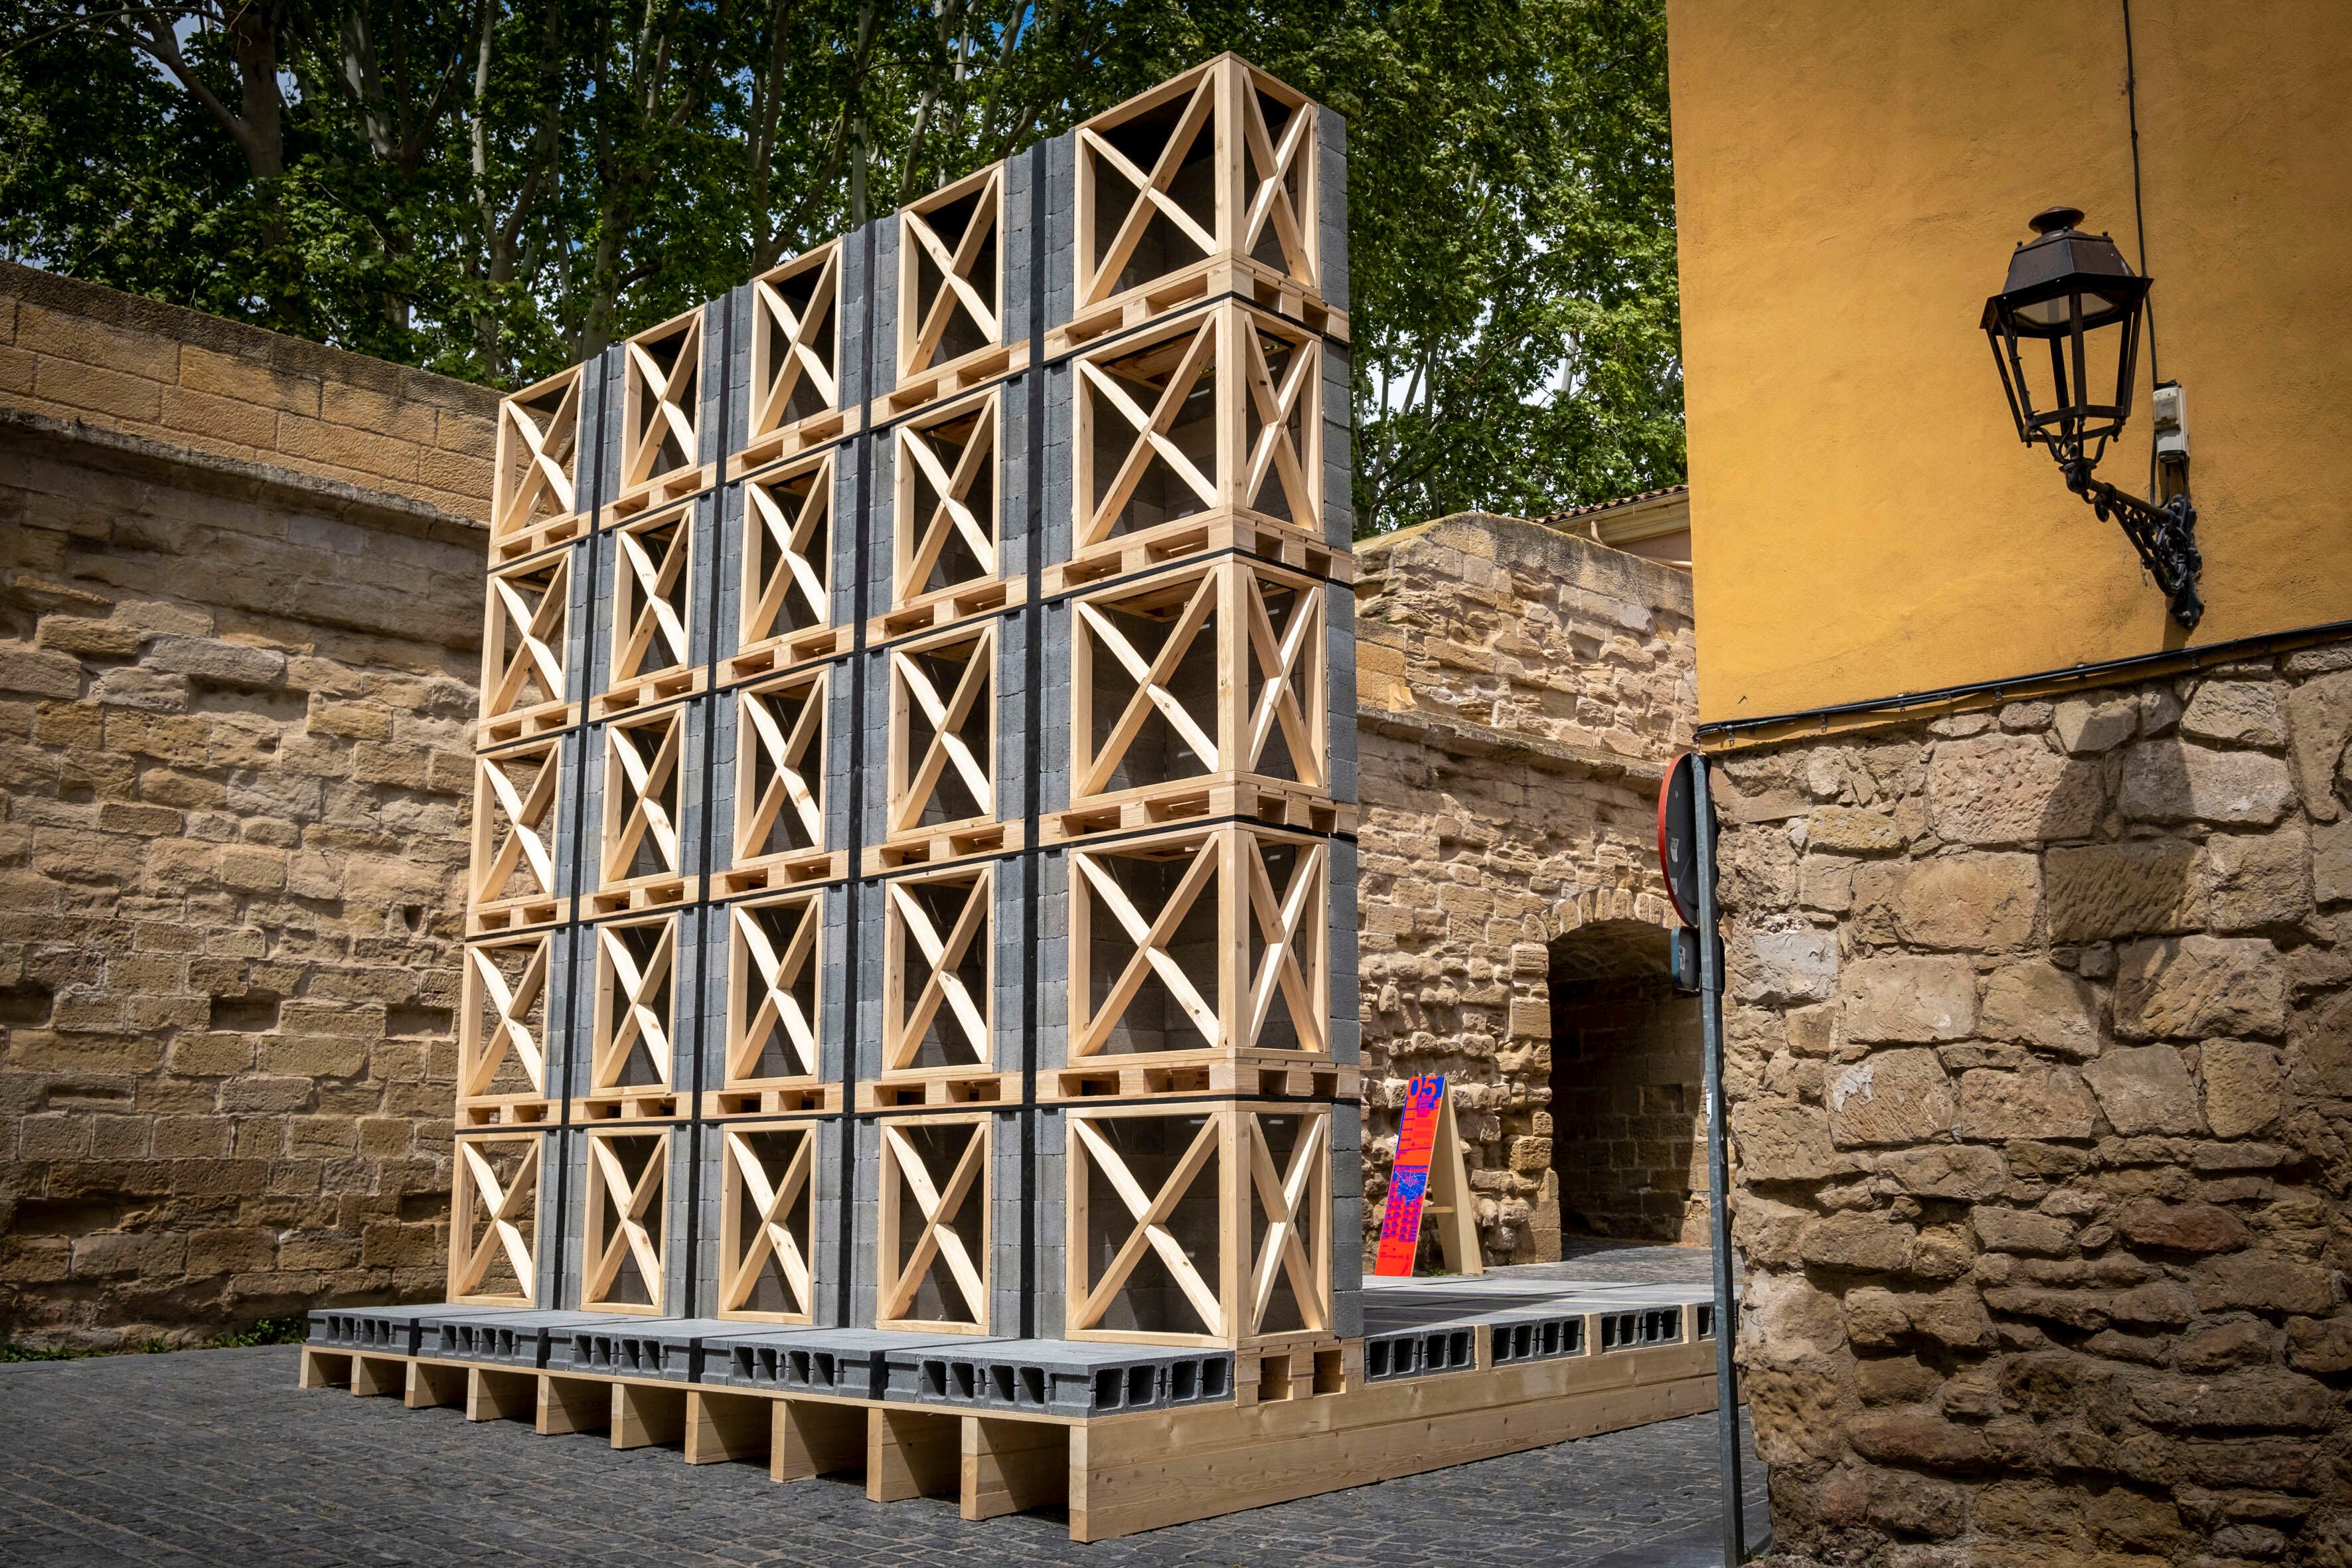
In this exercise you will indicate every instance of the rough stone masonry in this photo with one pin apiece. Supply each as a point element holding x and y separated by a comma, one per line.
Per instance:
<point>2040,1066</point>
<point>239,619</point>
<point>1519,693</point>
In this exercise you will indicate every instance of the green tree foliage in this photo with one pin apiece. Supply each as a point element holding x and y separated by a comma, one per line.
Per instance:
<point>496,188</point>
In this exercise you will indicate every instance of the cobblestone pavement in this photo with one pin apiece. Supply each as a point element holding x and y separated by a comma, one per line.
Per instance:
<point>214,1457</point>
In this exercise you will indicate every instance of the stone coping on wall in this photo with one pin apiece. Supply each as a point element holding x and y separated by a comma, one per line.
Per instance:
<point>80,351</point>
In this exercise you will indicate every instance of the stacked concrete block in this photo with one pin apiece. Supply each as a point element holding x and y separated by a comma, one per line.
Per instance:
<point>791,521</point>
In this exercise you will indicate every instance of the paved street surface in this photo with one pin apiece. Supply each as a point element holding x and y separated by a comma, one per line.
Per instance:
<point>214,1457</point>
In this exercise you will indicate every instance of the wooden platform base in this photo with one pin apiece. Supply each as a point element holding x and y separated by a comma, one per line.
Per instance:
<point>1117,1475</point>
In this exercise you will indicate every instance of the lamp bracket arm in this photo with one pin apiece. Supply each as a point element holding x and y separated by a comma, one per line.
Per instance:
<point>2165,536</point>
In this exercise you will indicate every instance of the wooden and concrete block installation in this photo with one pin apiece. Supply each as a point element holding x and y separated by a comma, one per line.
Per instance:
<point>911,1014</point>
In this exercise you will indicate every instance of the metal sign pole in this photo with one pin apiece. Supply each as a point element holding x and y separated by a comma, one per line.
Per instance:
<point>1718,1175</point>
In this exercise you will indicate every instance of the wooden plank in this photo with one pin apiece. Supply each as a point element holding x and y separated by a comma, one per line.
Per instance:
<point>644,1415</point>
<point>809,1439</point>
<point>572,1405</point>
<point>1010,1467</point>
<point>725,1426</point>
<point>1113,1499</point>
<point>324,1369</point>
<point>432,1384</point>
<point>495,1395</point>
<point>374,1377</point>
<point>912,1453</point>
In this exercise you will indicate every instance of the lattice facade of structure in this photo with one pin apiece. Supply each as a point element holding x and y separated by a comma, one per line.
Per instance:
<point>914,903</point>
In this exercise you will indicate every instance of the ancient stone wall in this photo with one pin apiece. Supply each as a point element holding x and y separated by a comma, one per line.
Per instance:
<point>233,780</point>
<point>1519,694</point>
<point>85,354</point>
<point>2040,1066</point>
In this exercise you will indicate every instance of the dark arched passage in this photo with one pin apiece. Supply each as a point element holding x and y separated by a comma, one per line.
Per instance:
<point>1628,1138</point>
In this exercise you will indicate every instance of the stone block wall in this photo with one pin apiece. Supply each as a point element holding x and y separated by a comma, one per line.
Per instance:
<point>1519,694</point>
<point>81,353</point>
<point>2040,1069</point>
<point>234,782</point>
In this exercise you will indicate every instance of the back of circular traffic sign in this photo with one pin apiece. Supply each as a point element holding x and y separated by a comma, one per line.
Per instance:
<point>1678,836</point>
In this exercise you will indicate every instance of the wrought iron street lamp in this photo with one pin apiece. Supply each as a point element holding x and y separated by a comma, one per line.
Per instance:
<point>2070,299</point>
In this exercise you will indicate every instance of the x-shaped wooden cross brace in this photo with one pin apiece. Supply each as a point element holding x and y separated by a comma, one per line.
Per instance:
<point>942,957</point>
<point>772,976</point>
<point>955,284</point>
<point>1287,1200</point>
<point>650,591</point>
<point>952,515</point>
<point>635,1213</point>
<point>1151,190</point>
<point>1151,438</point>
<point>1276,451</point>
<point>1150,938</point>
<point>1150,1213</point>
<point>1152,693</point>
<point>526,811</point>
<point>540,454</point>
<point>1289,924</point>
<point>635,785</point>
<point>782,735</point>
<point>510,1035</point>
<point>937,1207</point>
<point>1288,663</point>
<point>1272,200</point>
<point>768,600</point>
<point>779,373</point>
<point>503,1211</point>
<point>657,402</point>
<point>528,611</point>
<point>947,718</point>
<point>635,1004</point>
<point>761,1221</point>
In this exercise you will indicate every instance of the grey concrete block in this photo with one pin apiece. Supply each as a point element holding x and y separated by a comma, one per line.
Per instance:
<point>710,383</point>
<point>1059,248</point>
<point>1058,1377</point>
<point>737,428</point>
<point>1339,436</point>
<point>1331,204</point>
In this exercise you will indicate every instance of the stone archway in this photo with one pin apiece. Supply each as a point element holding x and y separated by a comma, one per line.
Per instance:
<point>1627,1077</point>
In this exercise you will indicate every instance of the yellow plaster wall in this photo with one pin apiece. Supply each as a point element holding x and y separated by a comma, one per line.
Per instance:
<point>1850,180</point>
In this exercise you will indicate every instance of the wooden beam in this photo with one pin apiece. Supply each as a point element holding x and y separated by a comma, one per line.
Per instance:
<point>1010,1467</point>
<point>572,1405</point>
<point>726,1426</point>
<point>432,1384</point>
<point>644,1415</point>
<point>324,1369</point>
<point>374,1376</point>
<point>912,1453</point>
<point>810,1438</point>
<point>1142,1474</point>
<point>495,1395</point>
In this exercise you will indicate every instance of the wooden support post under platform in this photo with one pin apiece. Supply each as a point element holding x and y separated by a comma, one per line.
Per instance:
<point>432,1385</point>
<point>372,1377</point>
<point>644,1415</point>
<point>324,1369</point>
<point>911,1454</point>
<point>572,1405</point>
<point>810,1438</point>
<point>493,1395</point>
<point>1010,1467</point>
<point>726,1426</point>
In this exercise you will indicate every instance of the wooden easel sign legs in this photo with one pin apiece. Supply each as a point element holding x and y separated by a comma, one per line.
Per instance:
<point>1428,1176</point>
